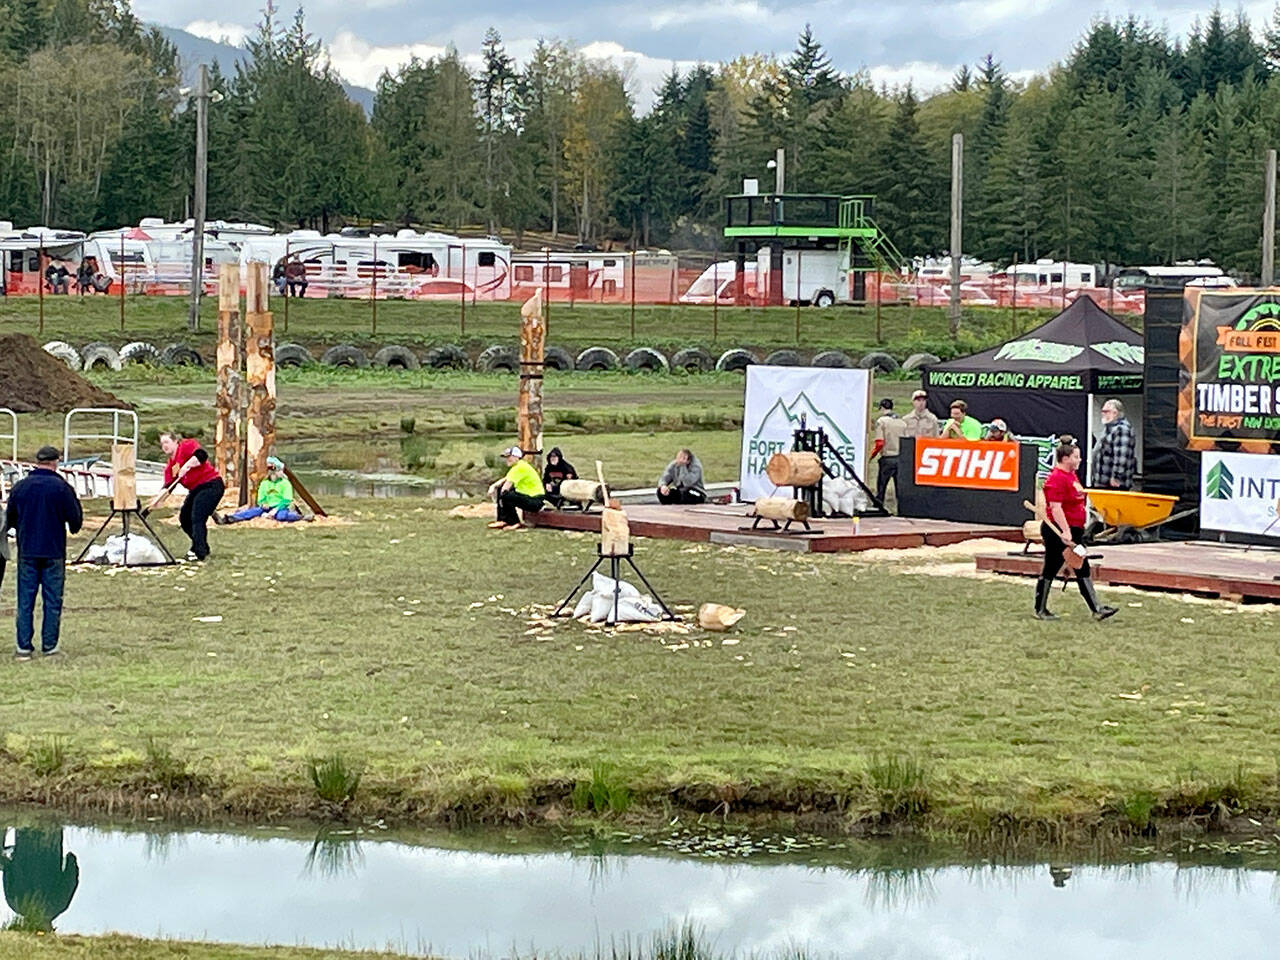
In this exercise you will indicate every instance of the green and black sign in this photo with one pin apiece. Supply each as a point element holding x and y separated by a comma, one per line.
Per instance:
<point>1231,370</point>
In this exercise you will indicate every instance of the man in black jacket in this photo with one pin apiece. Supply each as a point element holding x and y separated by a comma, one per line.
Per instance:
<point>42,508</point>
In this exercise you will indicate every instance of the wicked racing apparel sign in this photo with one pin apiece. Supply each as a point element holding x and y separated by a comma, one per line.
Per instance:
<point>966,464</point>
<point>1239,492</point>
<point>1231,376</point>
<point>779,399</point>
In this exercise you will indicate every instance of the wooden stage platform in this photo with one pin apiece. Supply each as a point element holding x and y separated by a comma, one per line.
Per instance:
<point>724,523</point>
<point>1187,567</point>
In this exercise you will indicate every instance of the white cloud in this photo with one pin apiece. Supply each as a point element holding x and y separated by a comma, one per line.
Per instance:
<point>232,33</point>
<point>362,63</point>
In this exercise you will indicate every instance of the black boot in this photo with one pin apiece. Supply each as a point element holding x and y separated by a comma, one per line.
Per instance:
<point>1043,586</point>
<point>1091,598</point>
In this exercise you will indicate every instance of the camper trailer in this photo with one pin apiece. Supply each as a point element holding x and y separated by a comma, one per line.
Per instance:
<point>599,276</point>
<point>1052,273</point>
<point>718,283</point>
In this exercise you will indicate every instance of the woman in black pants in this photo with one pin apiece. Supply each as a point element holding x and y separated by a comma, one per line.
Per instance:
<point>190,466</point>
<point>1064,505</point>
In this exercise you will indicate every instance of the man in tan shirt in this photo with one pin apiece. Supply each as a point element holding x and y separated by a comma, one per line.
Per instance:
<point>920,422</point>
<point>890,429</point>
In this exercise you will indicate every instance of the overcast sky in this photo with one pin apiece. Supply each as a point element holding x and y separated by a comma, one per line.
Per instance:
<point>923,42</point>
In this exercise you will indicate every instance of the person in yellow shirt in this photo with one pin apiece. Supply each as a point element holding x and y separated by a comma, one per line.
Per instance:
<point>520,488</point>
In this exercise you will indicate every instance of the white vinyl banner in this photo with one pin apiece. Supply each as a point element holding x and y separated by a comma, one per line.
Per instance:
<point>778,398</point>
<point>1239,491</point>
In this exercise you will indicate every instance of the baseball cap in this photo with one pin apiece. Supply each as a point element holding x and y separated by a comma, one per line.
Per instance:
<point>886,404</point>
<point>275,462</point>
<point>920,395</point>
<point>513,452</point>
<point>47,454</point>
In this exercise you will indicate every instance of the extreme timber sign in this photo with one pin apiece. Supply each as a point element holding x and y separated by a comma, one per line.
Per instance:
<point>1229,394</point>
<point>779,398</point>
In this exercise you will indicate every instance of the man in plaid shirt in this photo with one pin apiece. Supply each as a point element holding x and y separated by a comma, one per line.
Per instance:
<point>1117,453</point>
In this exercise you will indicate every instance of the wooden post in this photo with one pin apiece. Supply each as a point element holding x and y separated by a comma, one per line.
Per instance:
<point>260,375</point>
<point>1269,222</point>
<point>229,401</point>
<point>957,213</point>
<point>533,345</point>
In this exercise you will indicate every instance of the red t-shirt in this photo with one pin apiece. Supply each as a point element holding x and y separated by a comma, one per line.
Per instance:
<point>1063,486</point>
<point>200,473</point>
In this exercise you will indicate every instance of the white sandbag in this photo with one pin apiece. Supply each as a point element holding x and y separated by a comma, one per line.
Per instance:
<point>584,605</point>
<point>602,584</point>
<point>637,610</point>
<point>140,550</point>
<point>835,492</point>
<point>601,606</point>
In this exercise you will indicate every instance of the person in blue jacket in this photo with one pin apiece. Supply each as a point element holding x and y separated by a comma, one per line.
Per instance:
<point>42,508</point>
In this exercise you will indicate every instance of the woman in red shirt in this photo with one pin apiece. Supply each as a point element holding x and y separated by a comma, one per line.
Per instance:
<point>1064,530</point>
<point>189,465</point>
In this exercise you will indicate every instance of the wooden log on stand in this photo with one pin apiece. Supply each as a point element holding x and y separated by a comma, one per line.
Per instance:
<point>799,468</point>
<point>582,491</point>
<point>533,346</point>
<point>781,508</point>
<point>260,376</point>
<point>228,447</point>
<point>124,476</point>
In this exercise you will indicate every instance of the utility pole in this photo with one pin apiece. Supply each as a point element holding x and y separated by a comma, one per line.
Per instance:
<point>1269,223</point>
<point>780,172</point>
<point>957,191</point>
<point>202,97</point>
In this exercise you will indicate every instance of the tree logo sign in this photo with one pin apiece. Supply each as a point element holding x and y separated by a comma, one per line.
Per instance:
<point>778,399</point>
<point>1219,482</point>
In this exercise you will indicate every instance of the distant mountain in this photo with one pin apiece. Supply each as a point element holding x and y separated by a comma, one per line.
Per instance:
<point>193,51</point>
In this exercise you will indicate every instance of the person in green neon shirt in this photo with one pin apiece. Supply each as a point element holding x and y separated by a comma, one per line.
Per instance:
<point>961,426</point>
<point>521,488</point>
<point>275,499</point>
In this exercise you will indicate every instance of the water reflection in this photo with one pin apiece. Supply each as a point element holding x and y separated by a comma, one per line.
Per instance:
<point>39,881</point>
<point>341,886</point>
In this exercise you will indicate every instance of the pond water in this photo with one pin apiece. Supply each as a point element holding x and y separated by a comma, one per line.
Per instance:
<point>339,890</point>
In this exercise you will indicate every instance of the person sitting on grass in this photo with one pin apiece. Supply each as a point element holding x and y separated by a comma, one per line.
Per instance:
<point>557,470</point>
<point>275,499</point>
<point>521,488</point>
<point>681,482</point>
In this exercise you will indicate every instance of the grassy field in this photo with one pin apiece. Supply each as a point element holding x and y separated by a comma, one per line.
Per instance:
<point>905,329</point>
<point>409,647</point>
<point>27,946</point>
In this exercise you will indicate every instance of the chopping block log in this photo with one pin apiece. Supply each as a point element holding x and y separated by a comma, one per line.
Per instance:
<point>781,508</point>
<point>798,468</point>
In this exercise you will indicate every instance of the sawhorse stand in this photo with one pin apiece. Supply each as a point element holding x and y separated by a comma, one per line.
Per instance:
<point>124,515</point>
<point>615,571</point>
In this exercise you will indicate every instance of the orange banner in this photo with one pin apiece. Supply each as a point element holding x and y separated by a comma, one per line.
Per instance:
<point>1249,341</point>
<point>967,464</point>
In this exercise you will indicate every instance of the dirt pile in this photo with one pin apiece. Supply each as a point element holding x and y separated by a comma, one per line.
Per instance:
<point>32,381</point>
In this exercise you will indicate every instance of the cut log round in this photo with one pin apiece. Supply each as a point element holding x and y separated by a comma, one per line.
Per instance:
<point>718,617</point>
<point>799,468</point>
<point>615,533</point>
<point>581,491</point>
<point>781,508</point>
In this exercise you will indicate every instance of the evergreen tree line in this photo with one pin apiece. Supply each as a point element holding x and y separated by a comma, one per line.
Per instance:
<point>1138,148</point>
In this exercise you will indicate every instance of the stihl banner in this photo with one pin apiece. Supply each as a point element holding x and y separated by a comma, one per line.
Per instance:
<point>967,464</point>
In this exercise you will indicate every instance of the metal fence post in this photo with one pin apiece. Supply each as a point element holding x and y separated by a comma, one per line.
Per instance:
<point>633,294</point>
<point>799,254</point>
<point>373,299</point>
<point>462,314</point>
<point>40,283</point>
<point>715,299</point>
<point>121,272</point>
<point>286,286</point>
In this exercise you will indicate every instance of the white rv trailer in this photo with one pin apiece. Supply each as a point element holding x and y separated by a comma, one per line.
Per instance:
<point>1053,273</point>
<point>1185,273</point>
<point>600,276</point>
<point>21,252</point>
<point>406,264</point>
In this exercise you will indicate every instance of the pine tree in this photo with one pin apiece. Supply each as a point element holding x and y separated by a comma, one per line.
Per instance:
<point>496,90</point>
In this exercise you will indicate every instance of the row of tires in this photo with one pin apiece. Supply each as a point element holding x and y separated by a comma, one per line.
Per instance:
<point>495,358</point>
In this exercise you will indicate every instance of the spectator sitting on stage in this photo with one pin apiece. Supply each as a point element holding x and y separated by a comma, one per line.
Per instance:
<point>275,499</point>
<point>521,488</point>
<point>961,426</point>
<point>557,470</point>
<point>998,432</point>
<point>920,422</point>
<point>1115,459</point>
<point>681,482</point>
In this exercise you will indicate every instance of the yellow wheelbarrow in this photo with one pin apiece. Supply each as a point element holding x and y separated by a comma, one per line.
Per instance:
<point>1128,516</point>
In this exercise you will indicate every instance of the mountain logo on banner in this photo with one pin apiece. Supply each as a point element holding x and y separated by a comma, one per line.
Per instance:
<point>1219,484</point>
<point>1033,348</point>
<point>801,406</point>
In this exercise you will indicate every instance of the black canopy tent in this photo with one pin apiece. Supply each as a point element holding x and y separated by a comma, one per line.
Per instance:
<point>1050,380</point>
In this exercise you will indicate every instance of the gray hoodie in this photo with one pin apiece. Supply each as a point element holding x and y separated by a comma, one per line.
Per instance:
<point>682,476</point>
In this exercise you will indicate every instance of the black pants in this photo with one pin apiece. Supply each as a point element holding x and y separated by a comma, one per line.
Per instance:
<point>195,513</point>
<point>1055,549</point>
<point>676,495</point>
<point>888,471</point>
<point>509,500</point>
